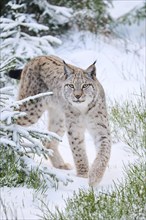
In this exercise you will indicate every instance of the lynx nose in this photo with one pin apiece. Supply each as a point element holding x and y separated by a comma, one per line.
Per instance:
<point>77,96</point>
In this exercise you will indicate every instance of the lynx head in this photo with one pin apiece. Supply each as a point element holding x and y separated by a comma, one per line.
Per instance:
<point>80,85</point>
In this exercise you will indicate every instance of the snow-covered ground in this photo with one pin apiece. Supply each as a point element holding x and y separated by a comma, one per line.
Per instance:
<point>121,70</point>
<point>26,203</point>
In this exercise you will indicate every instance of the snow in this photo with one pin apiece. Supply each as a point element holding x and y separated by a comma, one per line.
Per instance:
<point>121,70</point>
<point>121,7</point>
<point>34,26</point>
<point>59,14</point>
<point>7,142</point>
<point>15,6</point>
<point>26,202</point>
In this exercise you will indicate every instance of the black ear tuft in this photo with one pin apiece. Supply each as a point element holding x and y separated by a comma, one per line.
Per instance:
<point>94,62</point>
<point>67,70</point>
<point>15,74</point>
<point>91,70</point>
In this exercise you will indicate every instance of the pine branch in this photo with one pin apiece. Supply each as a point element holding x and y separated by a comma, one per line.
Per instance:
<point>27,142</point>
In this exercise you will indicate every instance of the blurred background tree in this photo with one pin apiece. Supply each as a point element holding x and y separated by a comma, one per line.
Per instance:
<point>136,15</point>
<point>90,15</point>
<point>23,35</point>
<point>61,15</point>
<point>32,28</point>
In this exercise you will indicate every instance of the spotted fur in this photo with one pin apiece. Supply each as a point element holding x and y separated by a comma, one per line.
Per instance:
<point>78,103</point>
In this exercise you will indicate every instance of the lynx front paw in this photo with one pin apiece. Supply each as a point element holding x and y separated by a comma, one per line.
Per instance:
<point>83,175</point>
<point>82,170</point>
<point>97,171</point>
<point>93,181</point>
<point>94,178</point>
<point>65,166</point>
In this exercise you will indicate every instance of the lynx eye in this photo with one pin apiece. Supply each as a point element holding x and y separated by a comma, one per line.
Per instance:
<point>71,86</point>
<point>85,86</point>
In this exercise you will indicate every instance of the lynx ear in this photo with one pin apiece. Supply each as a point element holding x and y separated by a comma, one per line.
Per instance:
<point>91,70</point>
<point>67,70</point>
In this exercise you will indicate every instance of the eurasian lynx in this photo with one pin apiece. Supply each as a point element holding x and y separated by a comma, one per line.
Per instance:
<point>78,103</point>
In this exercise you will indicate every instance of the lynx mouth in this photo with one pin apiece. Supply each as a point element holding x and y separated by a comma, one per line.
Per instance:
<point>78,101</point>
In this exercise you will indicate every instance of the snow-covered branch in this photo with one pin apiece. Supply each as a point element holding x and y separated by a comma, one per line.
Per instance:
<point>23,36</point>
<point>49,9</point>
<point>25,142</point>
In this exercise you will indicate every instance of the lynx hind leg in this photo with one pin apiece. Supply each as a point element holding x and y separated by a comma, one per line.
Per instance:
<point>33,109</point>
<point>30,85</point>
<point>57,125</point>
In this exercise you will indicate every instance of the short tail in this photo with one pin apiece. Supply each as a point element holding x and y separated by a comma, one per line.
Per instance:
<point>15,74</point>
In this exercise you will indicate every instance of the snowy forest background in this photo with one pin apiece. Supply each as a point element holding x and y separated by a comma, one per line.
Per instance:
<point>79,32</point>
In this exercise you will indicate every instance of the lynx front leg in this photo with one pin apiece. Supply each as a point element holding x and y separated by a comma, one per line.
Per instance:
<point>100,163</point>
<point>57,125</point>
<point>101,135</point>
<point>75,132</point>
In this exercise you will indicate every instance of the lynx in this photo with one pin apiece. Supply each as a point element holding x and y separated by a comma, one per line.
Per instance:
<point>78,103</point>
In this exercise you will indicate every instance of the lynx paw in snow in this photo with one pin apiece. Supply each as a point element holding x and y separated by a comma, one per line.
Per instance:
<point>93,181</point>
<point>66,166</point>
<point>94,178</point>
<point>83,175</point>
